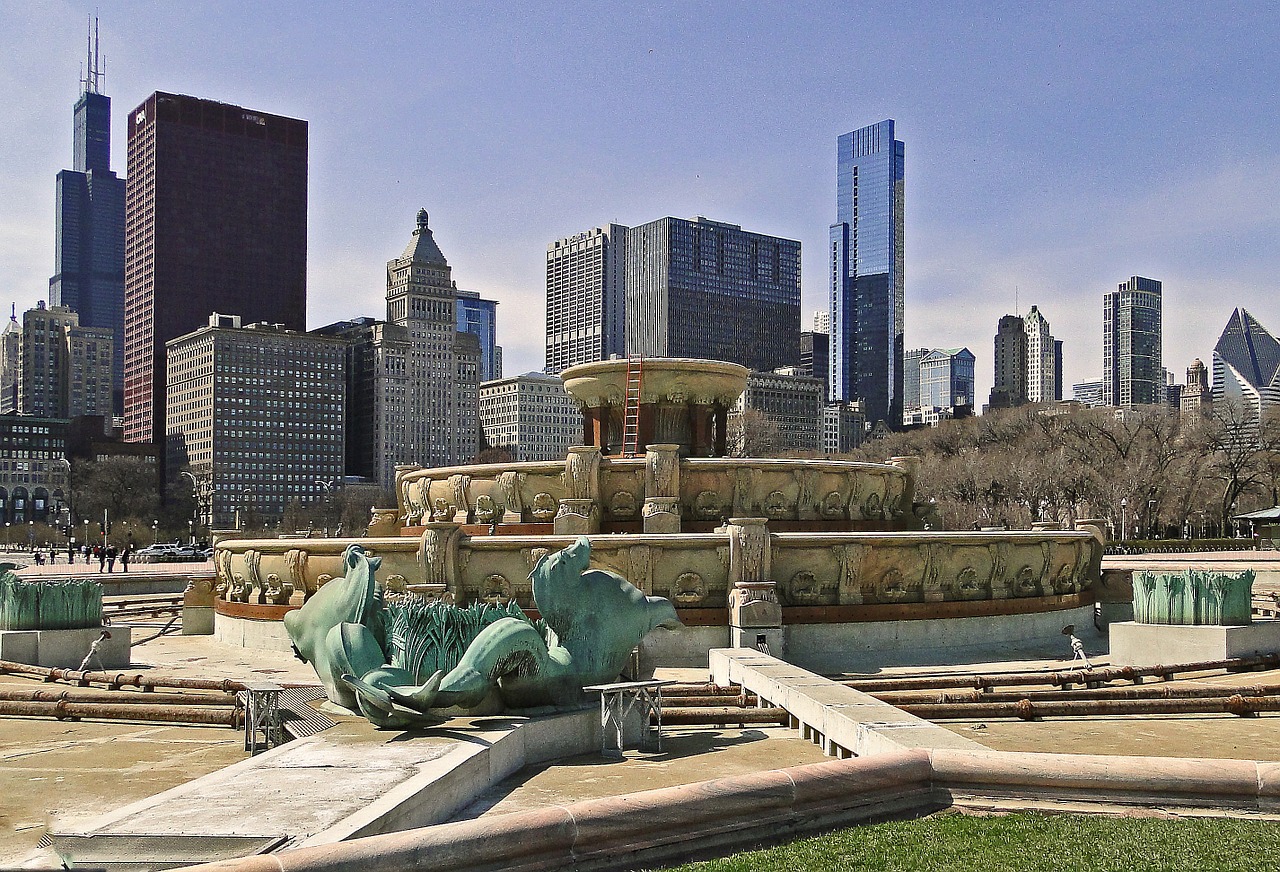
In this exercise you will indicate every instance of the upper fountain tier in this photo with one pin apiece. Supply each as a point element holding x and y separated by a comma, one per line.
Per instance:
<point>681,402</point>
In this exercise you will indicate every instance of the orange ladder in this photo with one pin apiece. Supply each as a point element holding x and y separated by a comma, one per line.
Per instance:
<point>631,407</point>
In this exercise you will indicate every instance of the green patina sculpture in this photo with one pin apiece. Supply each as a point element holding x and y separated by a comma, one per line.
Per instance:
<point>370,657</point>
<point>1193,598</point>
<point>49,605</point>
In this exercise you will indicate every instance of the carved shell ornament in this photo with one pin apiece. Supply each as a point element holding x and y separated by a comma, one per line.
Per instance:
<point>544,507</point>
<point>622,504</point>
<point>804,587</point>
<point>496,589</point>
<point>689,590</point>
<point>833,505</point>
<point>706,505</point>
<point>486,509</point>
<point>440,510</point>
<point>775,505</point>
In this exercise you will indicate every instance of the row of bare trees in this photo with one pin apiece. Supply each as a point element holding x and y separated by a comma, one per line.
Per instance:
<point>1156,473</point>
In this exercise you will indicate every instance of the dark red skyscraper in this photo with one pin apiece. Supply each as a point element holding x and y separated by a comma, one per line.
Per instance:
<point>215,220</point>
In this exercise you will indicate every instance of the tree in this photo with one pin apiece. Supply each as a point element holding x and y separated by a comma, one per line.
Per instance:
<point>125,487</point>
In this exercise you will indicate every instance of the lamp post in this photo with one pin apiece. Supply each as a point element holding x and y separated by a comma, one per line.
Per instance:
<point>1124,531</point>
<point>155,531</point>
<point>191,532</point>
<point>7,543</point>
<point>1151,519</point>
<point>86,531</point>
<point>328,499</point>
<point>31,535</point>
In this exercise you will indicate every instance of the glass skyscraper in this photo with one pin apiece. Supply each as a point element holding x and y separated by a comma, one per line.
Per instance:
<point>1132,340</point>
<point>707,289</point>
<point>867,272</point>
<point>479,316</point>
<point>89,249</point>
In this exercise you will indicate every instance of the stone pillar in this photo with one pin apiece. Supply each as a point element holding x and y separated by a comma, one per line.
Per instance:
<point>577,517</point>
<point>406,509</point>
<point>460,485</point>
<point>749,547</point>
<point>722,430</point>
<point>438,556</point>
<point>582,472</point>
<point>662,488</point>
<point>512,503</point>
<point>755,617</point>
<point>700,438</point>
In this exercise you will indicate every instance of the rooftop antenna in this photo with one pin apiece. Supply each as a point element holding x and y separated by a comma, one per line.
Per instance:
<point>93,75</point>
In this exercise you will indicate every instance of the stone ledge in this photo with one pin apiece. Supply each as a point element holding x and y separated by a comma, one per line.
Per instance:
<point>1134,644</point>
<point>66,649</point>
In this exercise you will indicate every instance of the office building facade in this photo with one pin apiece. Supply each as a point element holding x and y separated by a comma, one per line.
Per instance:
<point>1010,387</point>
<point>215,221</point>
<point>704,289</point>
<point>866,260</point>
<point>1043,356</point>
<point>814,356</point>
<point>479,317</point>
<point>844,427</point>
<point>946,380</point>
<point>34,472</point>
<point>586,297</point>
<point>789,401</point>
<point>530,415</point>
<point>440,422</point>
<point>1246,366</point>
<point>89,236</point>
<point>257,412</point>
<point>1088,393</point>
<point>1132,364</point>
<point>64,369</point>
<point>911,381</point>
<point>1197,394</point>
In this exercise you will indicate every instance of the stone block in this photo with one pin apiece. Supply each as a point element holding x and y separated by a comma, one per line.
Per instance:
<point>66,649</point>
<point>197,620</point>
<point>20,646</point>
<point>1134,644</point>
<point>751,637</point>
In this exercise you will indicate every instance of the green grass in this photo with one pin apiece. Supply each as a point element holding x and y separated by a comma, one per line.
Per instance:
<point>1018,842</point>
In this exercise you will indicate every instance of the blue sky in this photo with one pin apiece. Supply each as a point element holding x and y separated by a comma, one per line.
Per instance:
<point>1055,148</point>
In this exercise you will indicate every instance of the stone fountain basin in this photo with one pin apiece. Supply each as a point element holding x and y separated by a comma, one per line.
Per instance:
<point>665,380</point>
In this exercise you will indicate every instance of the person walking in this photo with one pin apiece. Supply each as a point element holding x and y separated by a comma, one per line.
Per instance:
<point>124,558</point>
<point>111,558</point>
<point>102,557</point>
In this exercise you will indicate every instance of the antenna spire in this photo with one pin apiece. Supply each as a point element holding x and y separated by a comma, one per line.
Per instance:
<point>93,67</point>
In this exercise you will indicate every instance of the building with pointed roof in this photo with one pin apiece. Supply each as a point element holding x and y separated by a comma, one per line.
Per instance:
<point>1246,364</point>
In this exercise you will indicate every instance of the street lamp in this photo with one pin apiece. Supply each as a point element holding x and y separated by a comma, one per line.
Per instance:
<point>7,543</point>
<point>329,487</point>
<point>191,532</point>
<point>1124,533</point>
<point>1151,519</point>
<point>155,531</point>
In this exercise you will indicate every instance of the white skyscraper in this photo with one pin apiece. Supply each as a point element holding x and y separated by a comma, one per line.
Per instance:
<point>1042,384</point>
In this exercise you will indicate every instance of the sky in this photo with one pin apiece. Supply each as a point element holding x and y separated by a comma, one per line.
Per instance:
<point>1052,149</point>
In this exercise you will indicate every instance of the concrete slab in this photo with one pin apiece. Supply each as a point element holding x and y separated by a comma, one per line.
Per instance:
<point>66,649</point>
<point>1134,644</point>
<point>835,716</point>
<point>346,782</point>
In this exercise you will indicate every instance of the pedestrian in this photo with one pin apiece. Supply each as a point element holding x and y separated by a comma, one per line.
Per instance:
<point>111,558</point>
<point>102,557</point>
<point>71,554</point>
<point>124,559</point>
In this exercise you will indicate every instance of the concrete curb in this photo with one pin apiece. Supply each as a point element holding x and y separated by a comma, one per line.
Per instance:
<point>731,814</point>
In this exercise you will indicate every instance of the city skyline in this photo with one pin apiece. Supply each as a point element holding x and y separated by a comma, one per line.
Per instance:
<point>505,172</point>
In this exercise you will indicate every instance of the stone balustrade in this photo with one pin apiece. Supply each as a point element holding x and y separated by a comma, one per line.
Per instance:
<point>610,491</point>
<point>693,570</point>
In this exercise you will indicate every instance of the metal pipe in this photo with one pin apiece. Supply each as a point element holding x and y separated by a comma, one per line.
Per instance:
<point>63,710</point>
<point>1062,678</point>
<point>723,715</point>
<point>724,699</point>
<point>1028,710</point>
<point>122,679</point>
<point>1149,691</point>
<point>115,697</point>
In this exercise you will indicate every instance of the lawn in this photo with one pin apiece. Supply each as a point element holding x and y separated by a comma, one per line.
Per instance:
<point>1018,842</point>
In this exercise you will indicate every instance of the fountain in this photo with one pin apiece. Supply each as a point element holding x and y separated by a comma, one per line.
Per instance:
<point>820,560</point>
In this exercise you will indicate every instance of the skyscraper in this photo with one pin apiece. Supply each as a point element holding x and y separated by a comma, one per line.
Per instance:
<point>215,220</point>
<point>1042,358</point>
<point>946,379</point>
<point>1246,365</point>
<point>441,424</point>
<point>911,380</point>
<point>814,355</point>
<point>1010,388</point>
<point>64,369</point>
<point>706,289</point>
<point>866,260</point>
<point>479,317</point>
<point>1132,365</point>
<point>257,409</point>
<point>89,243</point>
<point>586,297</point>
